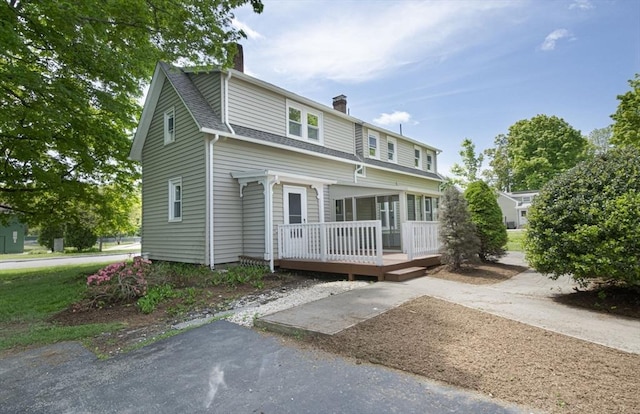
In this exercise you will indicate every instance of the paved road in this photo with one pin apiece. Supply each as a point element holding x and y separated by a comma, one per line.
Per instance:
<point>219,368</point>
<point>64,261</point>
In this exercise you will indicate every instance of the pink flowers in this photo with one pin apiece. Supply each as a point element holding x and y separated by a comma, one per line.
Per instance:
<point>119,281</point>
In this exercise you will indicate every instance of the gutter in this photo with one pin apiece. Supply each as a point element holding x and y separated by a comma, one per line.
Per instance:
<point>209,194</point>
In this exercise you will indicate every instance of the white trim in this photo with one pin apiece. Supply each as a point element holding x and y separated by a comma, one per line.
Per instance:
<point>148,110</point>
<point>305,111</point>
<point>302,191</point>
<point>169,135</point>
<point>226,102</point>
<point>394,159</point>
<point>375,136</point>
<point>419,159</point>
<point>173,183</point>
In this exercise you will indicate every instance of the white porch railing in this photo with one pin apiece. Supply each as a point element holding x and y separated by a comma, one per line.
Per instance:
<point>352,241</point>
<point>420,238</point>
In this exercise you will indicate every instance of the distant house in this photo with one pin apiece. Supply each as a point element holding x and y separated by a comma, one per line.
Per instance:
<point>515,207</point>
<point>12,236</point>
<point>234,167</point>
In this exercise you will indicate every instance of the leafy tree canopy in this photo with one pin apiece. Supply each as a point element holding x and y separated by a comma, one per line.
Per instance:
<point>599,140</point>
<point>626,127</point>
<point>70,77</point>
<point>534,151</point>
<point>471,164</point>
<point>584,223</point>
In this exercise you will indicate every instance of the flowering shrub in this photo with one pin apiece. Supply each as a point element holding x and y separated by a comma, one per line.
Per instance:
<point>119,282</point>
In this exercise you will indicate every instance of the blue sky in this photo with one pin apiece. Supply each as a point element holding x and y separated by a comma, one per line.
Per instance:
<point>449,70</point>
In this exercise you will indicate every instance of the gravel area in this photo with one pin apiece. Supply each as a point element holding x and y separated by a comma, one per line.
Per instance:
<point>250,307</point>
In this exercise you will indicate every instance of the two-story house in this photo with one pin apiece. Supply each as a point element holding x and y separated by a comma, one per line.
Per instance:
<point>515,206</point>
<point>228,161</point>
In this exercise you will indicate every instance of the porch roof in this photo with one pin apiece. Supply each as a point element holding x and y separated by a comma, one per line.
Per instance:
<point>256,175</point>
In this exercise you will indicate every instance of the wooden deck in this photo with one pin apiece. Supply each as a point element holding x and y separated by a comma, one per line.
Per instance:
<point>391,262</point>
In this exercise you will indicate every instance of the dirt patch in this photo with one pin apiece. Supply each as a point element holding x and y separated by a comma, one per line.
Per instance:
<point>496,356</point>
<point>139,328</point>
<point>482,274</point>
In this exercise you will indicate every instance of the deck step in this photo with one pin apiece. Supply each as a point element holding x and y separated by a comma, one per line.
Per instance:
<point>404,274</point>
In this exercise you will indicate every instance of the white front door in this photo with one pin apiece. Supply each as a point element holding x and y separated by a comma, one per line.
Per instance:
<point>295,204</point>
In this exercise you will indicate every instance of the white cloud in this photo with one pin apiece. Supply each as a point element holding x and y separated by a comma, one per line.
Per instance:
<point>551,39</point>
<point>251,34</point>
<point>581,4</point>
<point>394,118</point>
<point>359,41</point>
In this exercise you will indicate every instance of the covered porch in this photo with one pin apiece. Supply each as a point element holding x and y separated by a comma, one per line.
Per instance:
<point>356,248</point>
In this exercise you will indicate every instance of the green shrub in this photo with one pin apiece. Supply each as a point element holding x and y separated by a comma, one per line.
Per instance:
<point>79,236</point>
<point>586,222</point>
<point>487,217</point>
<point>154,296</point>
<point>457,233</point>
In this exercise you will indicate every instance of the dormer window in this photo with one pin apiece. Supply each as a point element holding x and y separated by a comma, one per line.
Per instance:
<point>374,151</point>
<point>417,157</point>
<point>392,152</point>
<point>304,123</point>
<point>169,126</point>
<point>429,161</point>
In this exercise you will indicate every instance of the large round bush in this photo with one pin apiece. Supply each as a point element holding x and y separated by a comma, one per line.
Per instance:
<point>586,221</point>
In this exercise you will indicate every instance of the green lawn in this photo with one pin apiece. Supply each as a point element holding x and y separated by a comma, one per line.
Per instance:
<point>516,238</point>
<point>34,251</point>
<point>29,297</point>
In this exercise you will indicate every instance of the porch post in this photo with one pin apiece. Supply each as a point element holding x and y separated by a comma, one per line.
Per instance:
<point>379,260</point>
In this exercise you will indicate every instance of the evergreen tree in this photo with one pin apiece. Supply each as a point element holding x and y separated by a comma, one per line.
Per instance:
<point>487,217</point>
<point>459,242</point>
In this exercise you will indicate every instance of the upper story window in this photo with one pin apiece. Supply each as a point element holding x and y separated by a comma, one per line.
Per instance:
<point>175,199</point>
<point>169,126</point>
<point>374,150</point>
<point>429,161</point>
<point>392,150</point>
<point>417,157</point>
<point>304,123</point>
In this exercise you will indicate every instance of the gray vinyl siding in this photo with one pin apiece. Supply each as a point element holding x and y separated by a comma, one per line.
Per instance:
<point>232,155</point>
<point>339,133</point>
<point>388,178</point>
<point>256,108</point>
<point>253,220</point>
<point>406,154</point>
<point>358,137</point>
<point>246,100</point>
<point>182,241</point>
<point>209,85</point>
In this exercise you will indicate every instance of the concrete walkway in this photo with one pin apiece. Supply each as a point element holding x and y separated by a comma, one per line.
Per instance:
<point>527,298</point>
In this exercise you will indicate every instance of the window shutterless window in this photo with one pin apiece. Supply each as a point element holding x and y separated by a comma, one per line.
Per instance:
<point>175,199</point>
<point>429,161</point>
<point>304,123</point>
<point>392,155</point>
<point>169,126</point>
<point>417,157</point>
<point>373,145</point>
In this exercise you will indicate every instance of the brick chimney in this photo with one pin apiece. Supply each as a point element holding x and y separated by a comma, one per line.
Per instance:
<point>238,59</point>
<point>340,103</point>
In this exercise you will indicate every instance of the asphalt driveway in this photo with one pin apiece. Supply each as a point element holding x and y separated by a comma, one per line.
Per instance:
<point>219,368</point>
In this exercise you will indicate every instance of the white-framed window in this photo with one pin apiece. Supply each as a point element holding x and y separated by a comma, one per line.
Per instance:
<point>374,140</point>
<point>169,126</point>
<point>428,213</point>
<point>417,157</point>
<point>304,123</point>
<point>429,161</point>
<point>392,150</point>
<point>175,199</point>
<point>361,170</point>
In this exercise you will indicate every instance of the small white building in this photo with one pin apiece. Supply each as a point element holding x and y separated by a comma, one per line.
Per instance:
<point>515,206</point>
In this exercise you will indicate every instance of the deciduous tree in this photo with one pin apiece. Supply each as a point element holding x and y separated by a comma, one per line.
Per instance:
<point>71,74</point>
<point>468,171</point>
<point>626,127</point>
<point>534,151</point>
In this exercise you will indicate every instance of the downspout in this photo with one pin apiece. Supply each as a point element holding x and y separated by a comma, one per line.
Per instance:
<point>209,172</point>
<point>272,182</point>
<point>226,102</point>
